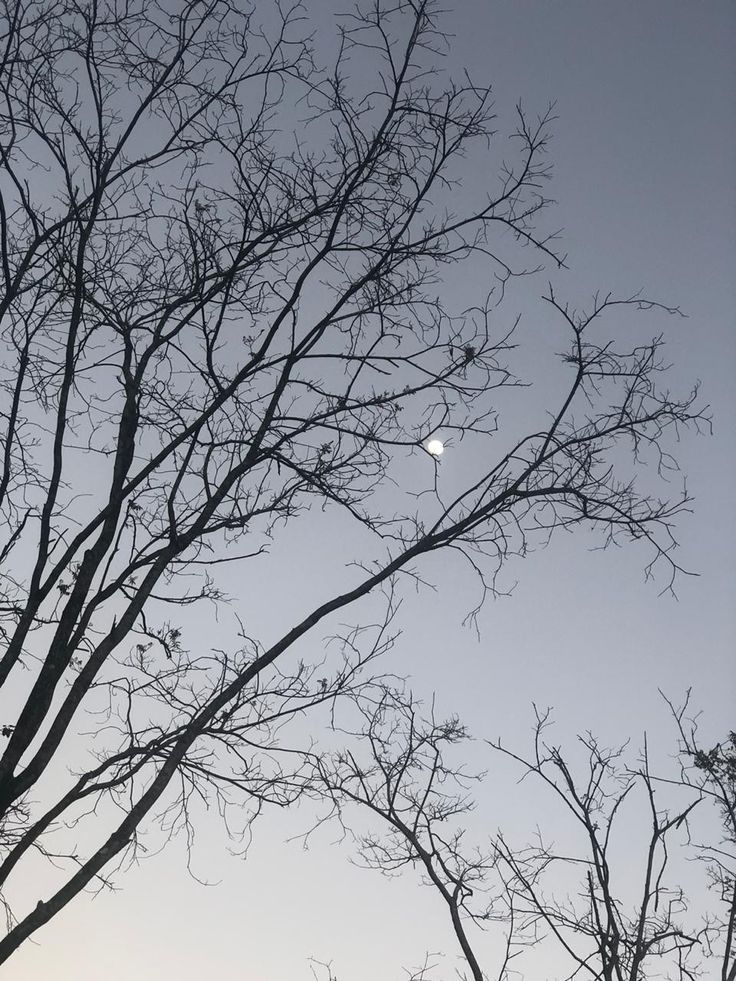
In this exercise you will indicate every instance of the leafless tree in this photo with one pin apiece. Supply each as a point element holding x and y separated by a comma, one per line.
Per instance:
<point>399,772</point>
<point>711,773</point>
<point>607,930</point>
<point>221,261</point>
<point>606,903</point>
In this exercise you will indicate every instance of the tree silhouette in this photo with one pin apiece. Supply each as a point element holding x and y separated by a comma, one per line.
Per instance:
<point>572,904</point>
<point>221,301</point>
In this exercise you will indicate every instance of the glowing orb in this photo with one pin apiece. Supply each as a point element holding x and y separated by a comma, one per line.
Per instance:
<point>436,447</point>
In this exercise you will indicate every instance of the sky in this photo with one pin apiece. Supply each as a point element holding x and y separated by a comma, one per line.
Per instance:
<point>644,153</point>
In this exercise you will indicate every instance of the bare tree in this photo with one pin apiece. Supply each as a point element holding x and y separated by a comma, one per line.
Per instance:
<point>221,263</point>
<point>606,933</point>
<point>607,903</point>
<point>711,773</point>
<point>398,770</point>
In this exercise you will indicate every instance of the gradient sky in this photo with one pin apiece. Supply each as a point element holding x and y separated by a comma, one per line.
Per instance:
<point>644,155</point>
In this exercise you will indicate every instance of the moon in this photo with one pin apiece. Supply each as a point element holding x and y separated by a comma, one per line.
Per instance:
<point>436,447</point>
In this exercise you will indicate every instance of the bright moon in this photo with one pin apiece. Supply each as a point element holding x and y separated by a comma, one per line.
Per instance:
<point>436,447</point>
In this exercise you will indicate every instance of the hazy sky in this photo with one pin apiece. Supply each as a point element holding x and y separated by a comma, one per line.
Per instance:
<point>644,155</point>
